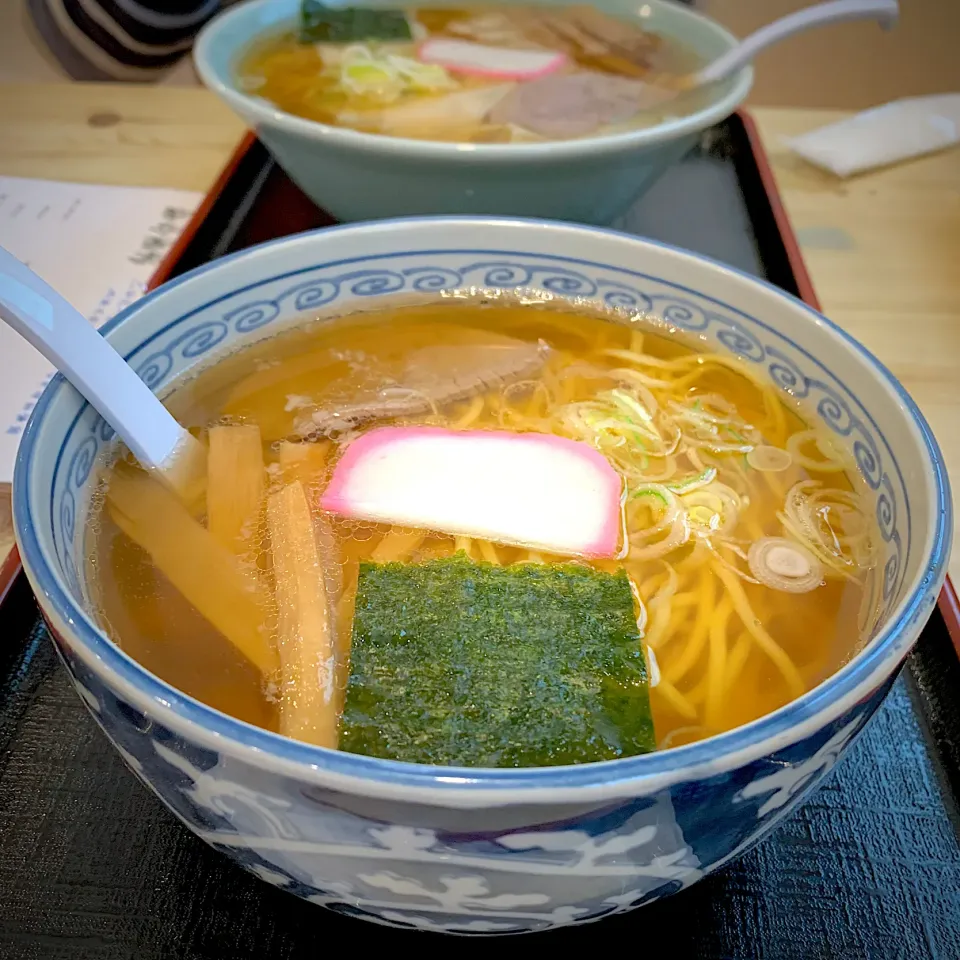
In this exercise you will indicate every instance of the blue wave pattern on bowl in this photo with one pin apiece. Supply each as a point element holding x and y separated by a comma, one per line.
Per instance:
<point>491,870</point>
<point>732,331</point>
<point>464,879</point>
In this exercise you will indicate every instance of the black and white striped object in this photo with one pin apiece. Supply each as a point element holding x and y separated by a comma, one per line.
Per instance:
<point>133,40</point>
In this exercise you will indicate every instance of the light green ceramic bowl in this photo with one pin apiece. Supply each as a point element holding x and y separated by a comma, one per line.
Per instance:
<point>361,176</point>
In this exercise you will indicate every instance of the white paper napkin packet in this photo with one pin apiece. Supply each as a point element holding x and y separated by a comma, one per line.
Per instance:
<point>884,135</point>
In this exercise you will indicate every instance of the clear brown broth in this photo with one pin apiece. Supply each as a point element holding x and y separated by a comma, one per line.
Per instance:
<point>330,362</point>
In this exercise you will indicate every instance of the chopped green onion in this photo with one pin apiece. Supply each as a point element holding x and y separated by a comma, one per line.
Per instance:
<point>769,459</point>
<point>784,565</point>
<point>622,400</point>
<point>371,73</point>
<point>832,461</point>
<point>691,483</point>
<point>651,492</point>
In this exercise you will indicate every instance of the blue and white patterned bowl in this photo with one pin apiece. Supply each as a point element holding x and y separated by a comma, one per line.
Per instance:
<point>362,176</point>
<point>482,851</point>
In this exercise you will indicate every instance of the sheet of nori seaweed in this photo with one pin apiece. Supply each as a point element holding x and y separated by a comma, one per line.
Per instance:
<point>322,24</point>
<point>470,664</point>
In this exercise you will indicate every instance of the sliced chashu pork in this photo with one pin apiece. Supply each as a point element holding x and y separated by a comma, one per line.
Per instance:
<point>576,104</point>
<point>435,376</point>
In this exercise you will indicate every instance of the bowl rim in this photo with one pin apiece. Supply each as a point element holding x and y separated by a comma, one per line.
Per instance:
<point>466,786</point>
<point>377,143</point>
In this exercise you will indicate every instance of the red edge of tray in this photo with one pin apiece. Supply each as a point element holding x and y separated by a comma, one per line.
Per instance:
<point>11,564</point>
<point>163,272</point>
<point>948,602</point>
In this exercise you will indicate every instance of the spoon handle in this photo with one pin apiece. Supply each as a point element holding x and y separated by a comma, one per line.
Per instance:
<point>836,11</point>
<point>65,337</point>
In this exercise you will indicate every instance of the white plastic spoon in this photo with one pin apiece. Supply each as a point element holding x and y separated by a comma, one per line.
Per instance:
<point>66,338</point>
<point>886,12</point>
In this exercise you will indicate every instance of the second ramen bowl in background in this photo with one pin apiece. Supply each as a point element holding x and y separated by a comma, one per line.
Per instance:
<point>364,176</point>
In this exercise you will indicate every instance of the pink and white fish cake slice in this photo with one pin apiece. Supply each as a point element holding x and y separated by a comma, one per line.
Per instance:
<point>462,56</point>
<point>531,490</point>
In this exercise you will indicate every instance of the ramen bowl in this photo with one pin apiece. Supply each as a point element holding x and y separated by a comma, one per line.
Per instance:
<point>477,851</point>
<point>362,176</point>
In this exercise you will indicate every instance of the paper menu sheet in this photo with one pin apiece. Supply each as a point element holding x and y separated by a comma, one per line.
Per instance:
<point>98,247</point>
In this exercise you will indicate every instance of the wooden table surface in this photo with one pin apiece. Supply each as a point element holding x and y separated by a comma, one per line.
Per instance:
<point>883,249</point>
